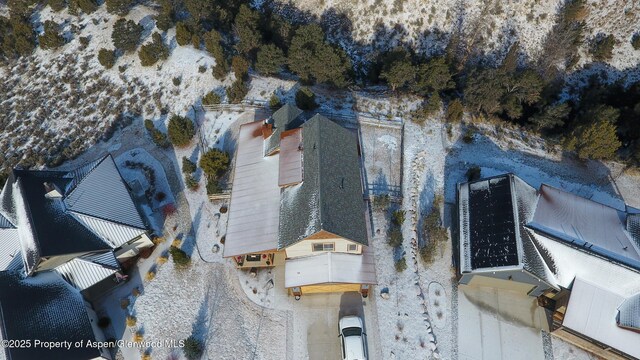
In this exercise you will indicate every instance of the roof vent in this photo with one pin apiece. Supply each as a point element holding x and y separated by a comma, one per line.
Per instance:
<point>52,191</point>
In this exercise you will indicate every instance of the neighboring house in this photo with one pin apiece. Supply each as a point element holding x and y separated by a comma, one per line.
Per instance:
<point>63,235</point>
<point>580,258</point>
<point>47,309</point>
<point>297,201</point>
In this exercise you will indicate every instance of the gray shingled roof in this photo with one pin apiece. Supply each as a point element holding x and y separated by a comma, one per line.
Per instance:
<point>45,308</point>
<point>629,313</point>
<point>286,118</point>
<point>330,196</point>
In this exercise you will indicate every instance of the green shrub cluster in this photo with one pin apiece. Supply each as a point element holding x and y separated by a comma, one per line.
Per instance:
<point>154,51</point>
<point>180,258</point>
<point>158,137</point>
<point>180,130</point>
<point>214,163</point>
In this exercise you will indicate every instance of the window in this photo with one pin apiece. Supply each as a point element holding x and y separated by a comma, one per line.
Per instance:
<point>352,247</point>
<point>253,257</point>
<point>323,247</point>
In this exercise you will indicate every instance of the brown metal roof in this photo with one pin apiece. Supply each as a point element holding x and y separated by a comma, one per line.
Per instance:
<point>254,210</point>
<point>290,157</point>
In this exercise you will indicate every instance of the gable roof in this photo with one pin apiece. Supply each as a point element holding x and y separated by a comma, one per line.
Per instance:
<point>330,196</point>
<point>10,257</point>
<point>586,224</point>
<point>86,271</point>
<point>286,118</point>
<point>629,313</point>
<point>103,194</point>
<point>46,308</point>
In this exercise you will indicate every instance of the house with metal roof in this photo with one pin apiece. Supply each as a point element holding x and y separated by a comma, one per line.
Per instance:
<point>45,309</point>
<point>580,258</point>
<point>297,201</point>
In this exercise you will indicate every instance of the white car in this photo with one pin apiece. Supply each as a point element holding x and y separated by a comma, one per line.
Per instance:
<point>352,336</point>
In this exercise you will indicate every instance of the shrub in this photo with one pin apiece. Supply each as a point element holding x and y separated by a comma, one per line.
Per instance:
<point>51,38</point>
<point>103,322</point>
<point>237,91</point>
<point>269,60</point>
<point>119,7</point>
<point>150,275</point>
<point>202,69</point>
<point>138,337</point>
<point>86,6</point>
<point>124,303</point>
<point>473,173</point>
<point>107,58</point>
<point>467,138</point>
<point>158,240</point>
<point>183,34</point>
<point>135,292</point>
<point>126,35</point>
<point>131,320</point>
<point>240,67</point>
<point>180,258</point>
<point>401,264</point>
<point>455,110</point>
<point>397,217</point>
<point>274,102</point>
<point>381,201</point>
<point>57,5</point>
<point>181,130</point>
<point>152,52</point>
<point>193,348</point>
<point>214,162</point>
<point>213,187</point>
<point>176,81</point>
<point>192,183</point>
<point>211,98</point>
<point>306,99</point>
<point>596,138</point>
<point>84,41</point>
<point>188,166</point>
<point>434,231</point>
<point>158,137</point>
<point>635,41</point>
<point>602,47</point>
<point>161,260</point>
<point>395,237</point>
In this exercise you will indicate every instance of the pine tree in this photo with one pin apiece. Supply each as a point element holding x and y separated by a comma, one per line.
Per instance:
<point>551,116</point>
<point>397,68</point>
<point>107,58</point>
<point>51,38</point>
<point>214,163</point>
<point>306,99</point>
<point>126,35</point>
<point>455,111</point>
<point>119,7</point>
<point>237,91</point>
<point>246,27</point>
<point>180,130</point>
<point>597,138</point>
<point>57,5</point>
<point>270,59</point>
<point>154,51</point>
<point>240,67</point>
<point>213,44</point>
<point>183,34</point>
<point>433,76</point>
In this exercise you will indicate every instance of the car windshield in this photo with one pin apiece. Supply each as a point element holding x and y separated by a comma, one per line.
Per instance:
<point>352,331</point>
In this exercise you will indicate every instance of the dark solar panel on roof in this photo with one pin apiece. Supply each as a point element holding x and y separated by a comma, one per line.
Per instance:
<point>492,224</point>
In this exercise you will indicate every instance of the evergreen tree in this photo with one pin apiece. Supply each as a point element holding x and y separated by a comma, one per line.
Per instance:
<point>51,38</point>
<point>199,9</point>
<point>86,6</point>
<point>126,34</point>
<point>551,116</point>
<point>246,26</point>
<point>240,67</point>
<point>57,5</point>
<point>602,47</point>
<point>455,111</point>
<point>397,68</point>
<point>107,58</point>
<point>433,76</point>
<point>596,139</point>
<point>119,7</point>
<point>311,58</point>
<point>154,51</point>
<point>306,99</point>
<point>237,91</point>
<point>213,44</point>
<point>270,60</point>
<point>180,130</point>
<point>23,38</point>
<point>214,163</point>
<point>183,34</point>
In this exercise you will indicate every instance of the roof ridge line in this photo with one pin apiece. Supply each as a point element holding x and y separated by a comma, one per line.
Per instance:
<point>319,183</point>
<point>91,262</point>
<point>31,230</point>
<point>85,175</point>
<point>75,212</point>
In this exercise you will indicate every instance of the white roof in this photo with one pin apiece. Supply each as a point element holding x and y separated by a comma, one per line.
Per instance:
<point>10,258</point>
<point>330,268</point>
<point>254,209</point>
<point>102,193</point>
<point>114,234</point>
<point>86,271</point>
<point>592,312</point>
